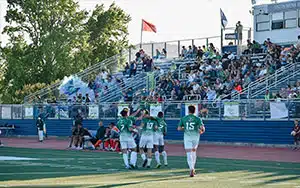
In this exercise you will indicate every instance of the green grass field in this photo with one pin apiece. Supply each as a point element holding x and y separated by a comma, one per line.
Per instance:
<point>56,168</point>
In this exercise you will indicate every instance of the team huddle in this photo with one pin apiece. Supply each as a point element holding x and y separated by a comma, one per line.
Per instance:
<point>153,130</point>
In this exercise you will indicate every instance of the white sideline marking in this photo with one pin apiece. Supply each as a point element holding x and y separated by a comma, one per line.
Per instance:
<point>10,158</point>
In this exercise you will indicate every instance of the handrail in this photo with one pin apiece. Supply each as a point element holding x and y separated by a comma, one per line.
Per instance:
<point>264,79</point>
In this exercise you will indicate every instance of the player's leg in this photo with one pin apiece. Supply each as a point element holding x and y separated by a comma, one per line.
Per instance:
<point>156,152</point>
<point>142,146</point>
<point>124,147</point>
<point>162,150</point>
<point>195,143</point>
<point>75,141</point>
<point>41,135</point>
<point>133,154</point>
<point>80,142</point>
<point>149,146</point>
<point>188,146</point>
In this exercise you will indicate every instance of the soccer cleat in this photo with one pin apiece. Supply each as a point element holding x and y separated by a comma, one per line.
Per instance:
<point>132,166</point>
<point>128,167</point>
<point>166,164</point>
<point>145,162</point>
<point>158,165</point>
<point>192,173</point>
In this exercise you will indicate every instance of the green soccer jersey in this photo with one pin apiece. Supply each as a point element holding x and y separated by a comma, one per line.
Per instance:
<point>124,124</point>
<point>149,126</point>
<point>191,125</point>
<point>132,119</point>
<point>162,125</point>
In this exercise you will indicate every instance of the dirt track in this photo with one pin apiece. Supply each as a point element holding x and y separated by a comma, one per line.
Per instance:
<point>211,151</point>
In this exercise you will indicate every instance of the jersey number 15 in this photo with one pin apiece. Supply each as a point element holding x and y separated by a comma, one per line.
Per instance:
<point>190,126</point>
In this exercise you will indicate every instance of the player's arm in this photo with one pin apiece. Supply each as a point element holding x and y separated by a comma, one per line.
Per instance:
<point>165,129</point>
<point>202,127</point>
<point>135,113</point>
<point>156,125</point>
<point>180,126</point>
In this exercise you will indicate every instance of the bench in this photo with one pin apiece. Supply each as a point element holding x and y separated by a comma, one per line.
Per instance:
<point>8,129</point>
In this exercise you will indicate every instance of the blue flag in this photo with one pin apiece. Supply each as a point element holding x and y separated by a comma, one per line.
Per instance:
<point>223,19</point>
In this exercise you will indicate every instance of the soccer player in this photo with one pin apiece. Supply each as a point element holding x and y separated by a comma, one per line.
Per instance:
<point>158,140</point>
<point>192,127</point>
<point>149,125</point>
<point>126,140</point>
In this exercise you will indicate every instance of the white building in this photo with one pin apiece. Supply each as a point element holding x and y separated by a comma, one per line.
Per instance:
<point>278,21</point>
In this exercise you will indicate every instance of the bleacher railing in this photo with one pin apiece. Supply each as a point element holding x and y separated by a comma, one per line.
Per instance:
<point>259,110</point>
<point>267,82</point>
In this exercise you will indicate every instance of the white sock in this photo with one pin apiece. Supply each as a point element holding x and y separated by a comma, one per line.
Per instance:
<point>125,158</point>
<point>165,156</point>
<point>133,158</point>
<point>157,157</point>
<point>189,160</point>
<point>143,156</point>
<point>194,157</point>
<point>149,162</point>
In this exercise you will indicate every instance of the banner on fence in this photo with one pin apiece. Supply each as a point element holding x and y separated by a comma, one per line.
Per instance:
<point>28,112</point>
<point>154,109</point>
<point>231,109</point>
<point>278,110</point>
<point>186,108</point>
<point>93,112</point>
<point>121,107</point>
<point>6,112</point>
<point>64,112</point>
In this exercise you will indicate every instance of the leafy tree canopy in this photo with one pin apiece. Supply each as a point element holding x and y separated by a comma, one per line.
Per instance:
<point>51,39</point>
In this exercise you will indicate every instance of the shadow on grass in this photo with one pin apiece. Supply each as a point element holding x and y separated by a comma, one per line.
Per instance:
<point>177,168</point>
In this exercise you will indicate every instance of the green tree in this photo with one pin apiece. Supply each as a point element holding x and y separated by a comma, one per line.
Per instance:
<point>51,39</point>
<point>108,32</point>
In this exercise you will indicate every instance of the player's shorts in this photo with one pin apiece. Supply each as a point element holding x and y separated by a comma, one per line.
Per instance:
<point>158,139</point>
<point>127,142</point>
<point>146,141</point>
<point>191,142</point>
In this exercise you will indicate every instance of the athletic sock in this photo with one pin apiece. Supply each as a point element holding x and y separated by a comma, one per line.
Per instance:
<point>125,158</point>
<point>133,158</point>
<point>165,156</point>
<point>149,161</point>
<point>143,155</point>
<point>194,157</point>
<point>189,160</point>
<point>157,157</point>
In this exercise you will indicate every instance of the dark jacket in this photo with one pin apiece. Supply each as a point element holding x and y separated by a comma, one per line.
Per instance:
<point>100,132</point>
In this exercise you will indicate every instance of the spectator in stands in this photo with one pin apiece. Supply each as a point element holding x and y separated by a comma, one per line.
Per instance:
<point>183,52</point>
<point>296,134</point>
<point>164,52</point>
<point>255,47</point>
<point>199,53</point>
<point>239,31</point>
<point>267,96</point>
<point>133,68</point>
<point>126,69</point>
<point>100,135</point>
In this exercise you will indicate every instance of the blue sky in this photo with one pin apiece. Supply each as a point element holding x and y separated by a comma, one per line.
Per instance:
<point>174,19</point>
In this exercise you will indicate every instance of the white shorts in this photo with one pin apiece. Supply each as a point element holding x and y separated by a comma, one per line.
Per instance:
<point>158,139</point>
<point>191,142</point>
<point>146,141</point>
<point>127,142</point>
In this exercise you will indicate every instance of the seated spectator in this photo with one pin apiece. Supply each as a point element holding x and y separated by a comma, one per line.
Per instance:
<point>255,47</point>
<point>99,135</point>
<point>114,138</point>
<point>77,137</point>
<point>296,134</point>
<point>133,68</point>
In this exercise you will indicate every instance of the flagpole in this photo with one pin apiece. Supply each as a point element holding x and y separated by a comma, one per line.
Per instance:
<point>141,44</point>
<point>221,39</point>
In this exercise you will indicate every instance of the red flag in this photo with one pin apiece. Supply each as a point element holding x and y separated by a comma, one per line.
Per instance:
<point>146,26</point>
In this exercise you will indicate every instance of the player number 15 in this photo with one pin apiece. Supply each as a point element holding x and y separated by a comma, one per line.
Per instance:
<point>190,126</point>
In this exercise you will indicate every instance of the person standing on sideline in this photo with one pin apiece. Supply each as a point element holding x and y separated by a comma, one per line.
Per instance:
<point>40,127</point>
<point>0,140</point>
<point>192,127</point>
<point>148,126</point>
<point>296,134</point>
<point>158,140</point>
<point>126,140</point>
